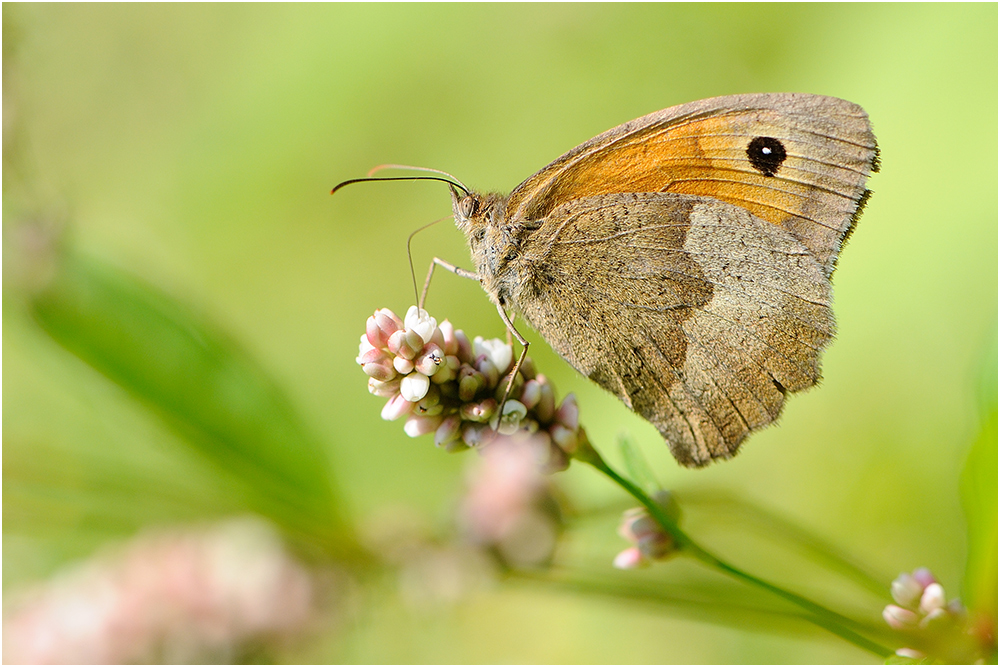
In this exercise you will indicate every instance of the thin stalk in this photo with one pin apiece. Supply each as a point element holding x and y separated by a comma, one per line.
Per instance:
<point>817,614</point>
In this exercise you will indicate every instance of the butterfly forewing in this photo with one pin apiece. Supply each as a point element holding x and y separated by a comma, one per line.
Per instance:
<point>707,148</point>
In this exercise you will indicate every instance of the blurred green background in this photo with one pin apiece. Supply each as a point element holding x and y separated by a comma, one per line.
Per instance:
<point>194,146</point>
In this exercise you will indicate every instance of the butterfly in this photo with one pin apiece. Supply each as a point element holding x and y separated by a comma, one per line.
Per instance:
<point>682,261</point>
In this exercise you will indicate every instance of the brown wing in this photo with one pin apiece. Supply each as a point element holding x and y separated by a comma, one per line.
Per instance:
<point>811,182</point>
<point>695,313</point>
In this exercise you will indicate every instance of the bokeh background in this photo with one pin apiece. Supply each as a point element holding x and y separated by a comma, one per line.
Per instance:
<point>191,148</point>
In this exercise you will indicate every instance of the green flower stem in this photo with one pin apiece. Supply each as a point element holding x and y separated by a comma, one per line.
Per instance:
<point>817,614</point>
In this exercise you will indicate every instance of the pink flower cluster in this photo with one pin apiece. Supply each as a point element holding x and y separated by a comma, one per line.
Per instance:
<point>651,541</point>
<point>509,507</point>
<point>195,595</point>
<point>445,384</point>
<point>934,624</point>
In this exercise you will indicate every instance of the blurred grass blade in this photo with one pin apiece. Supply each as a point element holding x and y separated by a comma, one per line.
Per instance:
<point>636,465</point>
<point>979,500</point>
<point>202,385</point>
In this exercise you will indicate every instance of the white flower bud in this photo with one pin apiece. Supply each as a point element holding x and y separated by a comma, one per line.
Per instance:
<point>414,386</point>
<point>420,321</point>
<point>498,352</point>
<point>402,365</point>
<point>933,598</point>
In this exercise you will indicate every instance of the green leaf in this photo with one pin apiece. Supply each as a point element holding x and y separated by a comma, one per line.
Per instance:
<point>203,387</point>
<point>979,500</point>
<point>636,466</point>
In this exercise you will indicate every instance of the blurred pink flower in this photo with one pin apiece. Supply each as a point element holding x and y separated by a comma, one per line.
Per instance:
<point>509,506</point>
<point>650,540</point>
<point>168,596</point>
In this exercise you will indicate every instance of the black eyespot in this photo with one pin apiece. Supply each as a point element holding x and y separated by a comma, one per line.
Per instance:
<point>467,207</point>
<point>766,155</point>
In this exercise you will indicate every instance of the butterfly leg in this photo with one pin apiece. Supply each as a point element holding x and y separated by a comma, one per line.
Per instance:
<point>520,360</point>
<point>437,261</point>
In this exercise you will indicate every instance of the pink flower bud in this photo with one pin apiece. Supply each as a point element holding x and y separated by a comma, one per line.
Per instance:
<point>414,344</point>
<point>437,338</point>
<point>363,347</point>
<point>396,341</point>
<point>478,412</point>
<point>379,327</point>
<point>414,386</point>
<point>924,576</point>
<point>531,393</point>
<point>564,438</point>
<point>568,413</point>
<point>431,360</point>
<point>402,365</point>
<point>464,347</point>
<point>899,618</point>
<point>384,389</point>
<point>449,430</point>
<point>474,435</point>
<point>489,371</point>
<point>656,545</point>
<point>381,369</point>
<point>629,559</point>
<point>396,408</point>
<point>558,460</point>
<point>405,343</point>
<point>546,407</point>
<point>416,426</point>
<point>447,330</point>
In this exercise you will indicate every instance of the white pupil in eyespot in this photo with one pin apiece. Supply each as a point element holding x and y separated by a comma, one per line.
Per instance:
<point>765,150</point>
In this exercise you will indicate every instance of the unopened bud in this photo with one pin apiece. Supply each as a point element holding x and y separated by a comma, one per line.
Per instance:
<point>906,591</point>
<point>474,434</point>
<point>531,393</point>
<point>384,389</point>
<point>899,618</point>
<point>629,559</point>
<point>414,386</point>
<point>470,381</point>
<point>430,404</point>
<point>933,598</point>
<point>417,426</point>
<point>489,371</point>
<point>420,322</point>
<point>430,360</point>
<point>480,412</point>
<point>448,334</point>
<point>568,413</point>
<point>464,347</point>
<point>449,430</point>
<point>396,408</point>
<point>563,437</point>
<point>510,421</point>
<point>402,365</point>
<point>546,407</point>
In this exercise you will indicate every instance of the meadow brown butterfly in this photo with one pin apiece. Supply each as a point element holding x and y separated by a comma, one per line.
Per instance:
<point>682,260</point>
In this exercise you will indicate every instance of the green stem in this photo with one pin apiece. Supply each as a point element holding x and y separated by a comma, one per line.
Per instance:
<point>819,615</point>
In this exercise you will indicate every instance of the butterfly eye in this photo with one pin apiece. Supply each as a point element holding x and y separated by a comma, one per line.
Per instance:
<point>467,207</point>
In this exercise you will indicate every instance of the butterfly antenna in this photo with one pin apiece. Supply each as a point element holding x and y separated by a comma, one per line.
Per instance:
<point>409,256</point>
<point>398,178</point>
<point>379,168</point>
